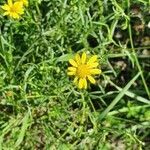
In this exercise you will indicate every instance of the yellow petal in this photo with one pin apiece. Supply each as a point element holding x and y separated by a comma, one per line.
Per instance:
<point>5,7</point>
<point>15,16</point>
<point>6,13</point>
<point>73,69</point>
<point>11,14</point>
<point>19,7</point>
<point>91,79</point>
<point>85,83</point>
<point>18,4</point>
<point>10,2</point>
<point>83,58</point>
<point>92,59</point>
<point>93,65</point>
<point>21,12</point>
<point>75,80</point>
<point>26,3</point>
<point>71,73</point>
<point>95,71</point>
<point>81,83</point>
<point>73,63</point>
<point>77,58</point>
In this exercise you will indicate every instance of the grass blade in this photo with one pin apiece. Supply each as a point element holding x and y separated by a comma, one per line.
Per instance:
<point>118,97</point>
<point>23,130</point>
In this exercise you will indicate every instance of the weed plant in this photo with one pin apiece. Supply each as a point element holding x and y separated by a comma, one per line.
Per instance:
<point>41,108</point>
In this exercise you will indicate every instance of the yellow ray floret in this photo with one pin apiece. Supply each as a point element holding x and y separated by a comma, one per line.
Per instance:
<point>14,10</point>
<point>24,2</point>
<point>83,69</point>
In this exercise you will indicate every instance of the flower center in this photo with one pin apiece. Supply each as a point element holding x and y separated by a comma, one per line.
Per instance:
<point>83,71</point>
<point>13,9</point>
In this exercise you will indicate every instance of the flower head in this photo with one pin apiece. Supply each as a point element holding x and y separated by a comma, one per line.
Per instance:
<point>14,10</point>
<point>24,2</point>
<point>83,69</point>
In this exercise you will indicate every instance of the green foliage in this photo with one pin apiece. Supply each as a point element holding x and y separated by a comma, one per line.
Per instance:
<point>40,107</point>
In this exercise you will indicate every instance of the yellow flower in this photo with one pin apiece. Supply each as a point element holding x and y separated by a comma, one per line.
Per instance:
<point>14,10</point>
<point>24,2</point>
<point>83,69</point>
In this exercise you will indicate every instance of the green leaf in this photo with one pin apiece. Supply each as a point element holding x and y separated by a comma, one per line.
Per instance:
<point>65,57</point>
